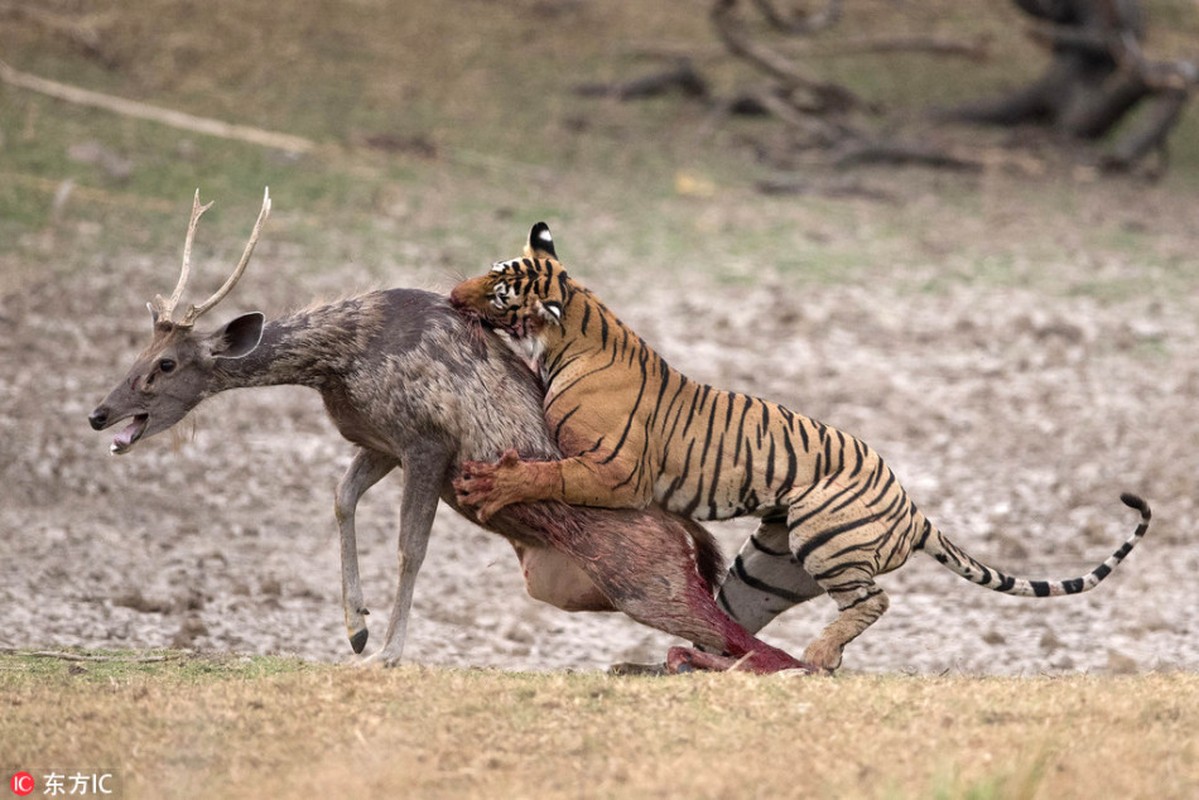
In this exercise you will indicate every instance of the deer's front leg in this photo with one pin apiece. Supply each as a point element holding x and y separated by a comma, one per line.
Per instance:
<point>367,468</point>
<point>583,480</point>
<point>424,474</point>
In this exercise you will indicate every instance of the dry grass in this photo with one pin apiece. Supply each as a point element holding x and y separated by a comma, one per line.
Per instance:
<point>193,727</point>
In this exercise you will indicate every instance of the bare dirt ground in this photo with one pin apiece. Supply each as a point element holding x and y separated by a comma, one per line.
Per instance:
<point>1015,417</point>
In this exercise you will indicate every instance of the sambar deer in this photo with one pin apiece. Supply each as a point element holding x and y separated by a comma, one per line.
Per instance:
<point>412,385</point>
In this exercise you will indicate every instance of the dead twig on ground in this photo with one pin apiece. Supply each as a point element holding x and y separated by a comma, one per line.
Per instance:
<point>164,116</point>
<point>975,49</point>
<point>806,187</point>
<point>820,132</point>
<point>904,153</point>
<point>788,73</point>
<point>681,76</point>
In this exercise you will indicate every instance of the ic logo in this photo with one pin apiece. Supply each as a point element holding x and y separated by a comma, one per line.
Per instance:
<point>22,784</point>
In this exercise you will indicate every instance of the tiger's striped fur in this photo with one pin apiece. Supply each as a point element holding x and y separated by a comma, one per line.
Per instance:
<point>639,432</point>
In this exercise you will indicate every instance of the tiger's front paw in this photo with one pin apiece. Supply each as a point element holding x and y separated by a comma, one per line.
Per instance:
<point>489,487</point>
<point>474,486</point>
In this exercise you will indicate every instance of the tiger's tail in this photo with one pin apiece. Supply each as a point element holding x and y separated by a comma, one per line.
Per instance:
<point>956,559</point>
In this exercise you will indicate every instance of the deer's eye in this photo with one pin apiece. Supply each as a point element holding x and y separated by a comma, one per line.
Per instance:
<point>166,366</point>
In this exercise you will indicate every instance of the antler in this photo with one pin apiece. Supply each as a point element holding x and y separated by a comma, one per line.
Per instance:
<point>163,308</point>
<point>193,312</point>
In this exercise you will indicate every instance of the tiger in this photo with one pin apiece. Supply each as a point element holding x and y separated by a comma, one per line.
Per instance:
<point>635,431</point>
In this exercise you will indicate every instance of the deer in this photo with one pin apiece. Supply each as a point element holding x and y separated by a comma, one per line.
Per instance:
<point>411,384</point>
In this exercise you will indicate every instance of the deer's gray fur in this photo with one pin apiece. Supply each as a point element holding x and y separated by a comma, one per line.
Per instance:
<point>411,384</point>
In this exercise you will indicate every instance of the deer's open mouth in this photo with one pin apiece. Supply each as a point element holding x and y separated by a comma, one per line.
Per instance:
<point>129,434</point>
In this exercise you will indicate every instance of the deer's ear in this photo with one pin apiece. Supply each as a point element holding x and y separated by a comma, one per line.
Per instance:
<point>541,243</point>
<point>239,337</point>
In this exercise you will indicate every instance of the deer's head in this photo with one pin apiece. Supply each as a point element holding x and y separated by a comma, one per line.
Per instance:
<point>175,372</point>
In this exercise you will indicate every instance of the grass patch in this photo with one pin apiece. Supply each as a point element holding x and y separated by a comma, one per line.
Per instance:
<point>192,725</point>
<point>107,666</point>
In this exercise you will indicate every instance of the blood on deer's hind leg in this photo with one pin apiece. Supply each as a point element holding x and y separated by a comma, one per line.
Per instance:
<point>688,659</point>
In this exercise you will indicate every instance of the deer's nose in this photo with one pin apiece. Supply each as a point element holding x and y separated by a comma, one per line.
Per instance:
<point>98,418</point>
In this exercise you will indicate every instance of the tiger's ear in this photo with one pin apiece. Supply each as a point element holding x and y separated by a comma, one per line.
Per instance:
<point>541,243</point>
<point>550,311</point>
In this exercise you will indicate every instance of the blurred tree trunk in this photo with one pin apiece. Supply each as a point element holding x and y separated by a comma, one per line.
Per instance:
<point>1098,75</point>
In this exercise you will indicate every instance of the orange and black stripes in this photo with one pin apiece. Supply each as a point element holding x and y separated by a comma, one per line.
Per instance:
<point>646,433</point>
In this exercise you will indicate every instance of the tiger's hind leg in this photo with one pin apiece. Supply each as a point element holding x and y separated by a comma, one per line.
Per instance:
<point>860,604</point>
<point>843,543</point>
<point>764,579</point>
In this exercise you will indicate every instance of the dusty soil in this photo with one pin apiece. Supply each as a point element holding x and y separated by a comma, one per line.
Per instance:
<point>1013,415</point>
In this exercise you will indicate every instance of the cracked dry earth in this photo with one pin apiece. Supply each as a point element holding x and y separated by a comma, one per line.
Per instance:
<point>1014,420</point>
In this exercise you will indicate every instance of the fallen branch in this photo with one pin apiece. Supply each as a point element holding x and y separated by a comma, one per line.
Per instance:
<point>904,153</point>
<point>164,116</point>
<point>1149,134</point>
<point>1099,76</point>
<point>820,132</point>
<point>976,49</point>
<point>830,96</point>
<point>1087,41</point>
<point>802,186</point>
<point>681,76</point>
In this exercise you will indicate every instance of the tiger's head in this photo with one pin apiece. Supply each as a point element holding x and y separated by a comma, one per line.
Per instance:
<point>524,298</point>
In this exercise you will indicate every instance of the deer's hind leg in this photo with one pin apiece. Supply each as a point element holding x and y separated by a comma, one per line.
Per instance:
<point>366,469</point>
<point>646,564</point>
<point>838,540</point>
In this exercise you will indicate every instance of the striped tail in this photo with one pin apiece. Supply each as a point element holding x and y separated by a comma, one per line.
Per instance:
<point>956,559</point>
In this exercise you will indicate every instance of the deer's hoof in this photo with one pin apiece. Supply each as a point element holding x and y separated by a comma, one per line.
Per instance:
<point>358,640</point>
